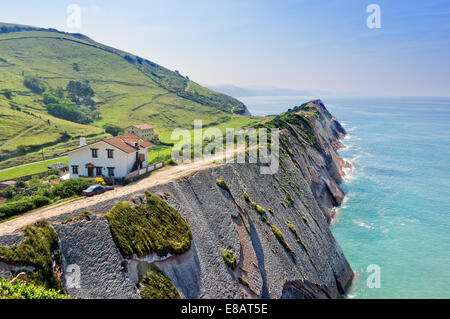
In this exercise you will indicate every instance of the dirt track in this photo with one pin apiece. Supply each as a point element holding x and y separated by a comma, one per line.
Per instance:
<point>162,176</point>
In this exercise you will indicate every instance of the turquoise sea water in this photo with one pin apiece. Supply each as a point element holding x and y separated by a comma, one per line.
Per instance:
<point>397,211</point>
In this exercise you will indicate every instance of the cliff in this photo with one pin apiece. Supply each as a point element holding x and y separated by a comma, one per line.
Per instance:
<point>277,226</point>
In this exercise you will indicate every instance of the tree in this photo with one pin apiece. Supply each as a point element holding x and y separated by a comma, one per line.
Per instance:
<point>50,98</point>
<point>34,84</point>
<point>112,129</point>
<point>80,93</point>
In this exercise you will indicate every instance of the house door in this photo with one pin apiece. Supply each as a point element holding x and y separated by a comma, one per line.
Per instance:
<point>90,171</point>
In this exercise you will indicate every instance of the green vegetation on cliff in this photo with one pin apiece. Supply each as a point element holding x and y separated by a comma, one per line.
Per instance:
<point>153,227</point>
<point>155,285</point>
<point>37,250</point>
<point>229,258</point>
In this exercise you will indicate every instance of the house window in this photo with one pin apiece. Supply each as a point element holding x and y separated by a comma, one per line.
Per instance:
<point>111,171</point>
<point>98,171</point>
<point>94,152</point>
<point>110,153</point>
<point>75,169</point>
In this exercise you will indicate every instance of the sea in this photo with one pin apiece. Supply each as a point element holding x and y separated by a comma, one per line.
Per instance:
<point>394,225</point>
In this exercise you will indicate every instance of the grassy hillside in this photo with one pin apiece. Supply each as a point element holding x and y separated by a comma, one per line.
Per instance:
<point>128,89</point>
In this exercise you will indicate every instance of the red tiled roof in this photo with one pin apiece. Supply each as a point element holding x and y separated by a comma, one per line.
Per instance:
<point>123,142</point>
<point>142,126</point>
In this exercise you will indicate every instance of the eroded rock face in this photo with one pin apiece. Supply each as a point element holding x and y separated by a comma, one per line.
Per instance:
<point>303,192</point>
<point>89,246</point>
<point>211,215</point>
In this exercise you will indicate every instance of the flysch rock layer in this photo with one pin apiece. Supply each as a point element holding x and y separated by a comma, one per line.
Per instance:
<point>303,191</point>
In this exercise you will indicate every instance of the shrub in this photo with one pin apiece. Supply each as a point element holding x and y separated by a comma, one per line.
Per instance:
<point>152,227</point>
<point>157,286</point>
<point>69,112</point>
<point>21,290</point>
<point>229,258</point>
<point>71,187</point>
<point>40,201</point>
<point>15,208</point>
<point>112,129</point>
<point>34,84</point>
<point>52,177</point>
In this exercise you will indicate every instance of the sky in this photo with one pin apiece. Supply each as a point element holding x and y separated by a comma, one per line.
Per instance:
<point>295,44</point>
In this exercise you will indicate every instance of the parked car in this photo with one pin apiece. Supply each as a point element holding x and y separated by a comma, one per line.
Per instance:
<point>96,189</point>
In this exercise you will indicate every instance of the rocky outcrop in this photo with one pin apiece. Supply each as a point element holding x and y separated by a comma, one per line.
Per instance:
<point>284,249</point>
<point>93,264</point>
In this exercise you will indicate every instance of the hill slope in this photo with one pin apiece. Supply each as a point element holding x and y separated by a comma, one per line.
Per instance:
<point>128,89</point>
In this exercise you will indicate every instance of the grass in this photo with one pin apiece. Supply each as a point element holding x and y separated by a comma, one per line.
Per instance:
<point>36,250</point>
<point>229,258</point>
<point>157,286</point>
<point>154,227</point>
<point>30,169</point>
<point>83,216</point>
<point>126,91</point>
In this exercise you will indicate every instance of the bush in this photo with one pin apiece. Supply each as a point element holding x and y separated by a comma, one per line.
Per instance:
<point>21,290</point>
<point>154,227</point>
<point>71,187</point>
<point>15,208</point>
<point>49,98</point>
<point>69,112</point>
<point>112,129</point>
<point>40,201</point>
<point>34,84</point>
<point>229,258</point>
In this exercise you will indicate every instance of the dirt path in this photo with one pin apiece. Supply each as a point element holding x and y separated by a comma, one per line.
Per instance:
<point>163,176</point>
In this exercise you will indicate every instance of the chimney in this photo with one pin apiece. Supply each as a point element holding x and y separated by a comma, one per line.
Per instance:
<point>82,141</point>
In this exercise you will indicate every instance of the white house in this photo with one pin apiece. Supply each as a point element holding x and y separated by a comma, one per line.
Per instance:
<point>144,131</point>
<point>114,157</point>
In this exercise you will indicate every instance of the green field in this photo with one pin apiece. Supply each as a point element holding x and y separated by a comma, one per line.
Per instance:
<point>30,169</point>
<point>128,90</point>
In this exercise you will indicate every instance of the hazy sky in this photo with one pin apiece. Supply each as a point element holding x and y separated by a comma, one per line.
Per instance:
<point>303,44</point>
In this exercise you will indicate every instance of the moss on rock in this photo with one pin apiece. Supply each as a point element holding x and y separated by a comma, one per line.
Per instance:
<point>221,183</point>
<point>155,285</point>
<point>36,250</point>
<point>154,227</point>
<point>279,235</point>
<point>229,258</point>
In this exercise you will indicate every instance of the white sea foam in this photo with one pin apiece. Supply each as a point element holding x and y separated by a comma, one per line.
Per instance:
<point>362,224</point>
